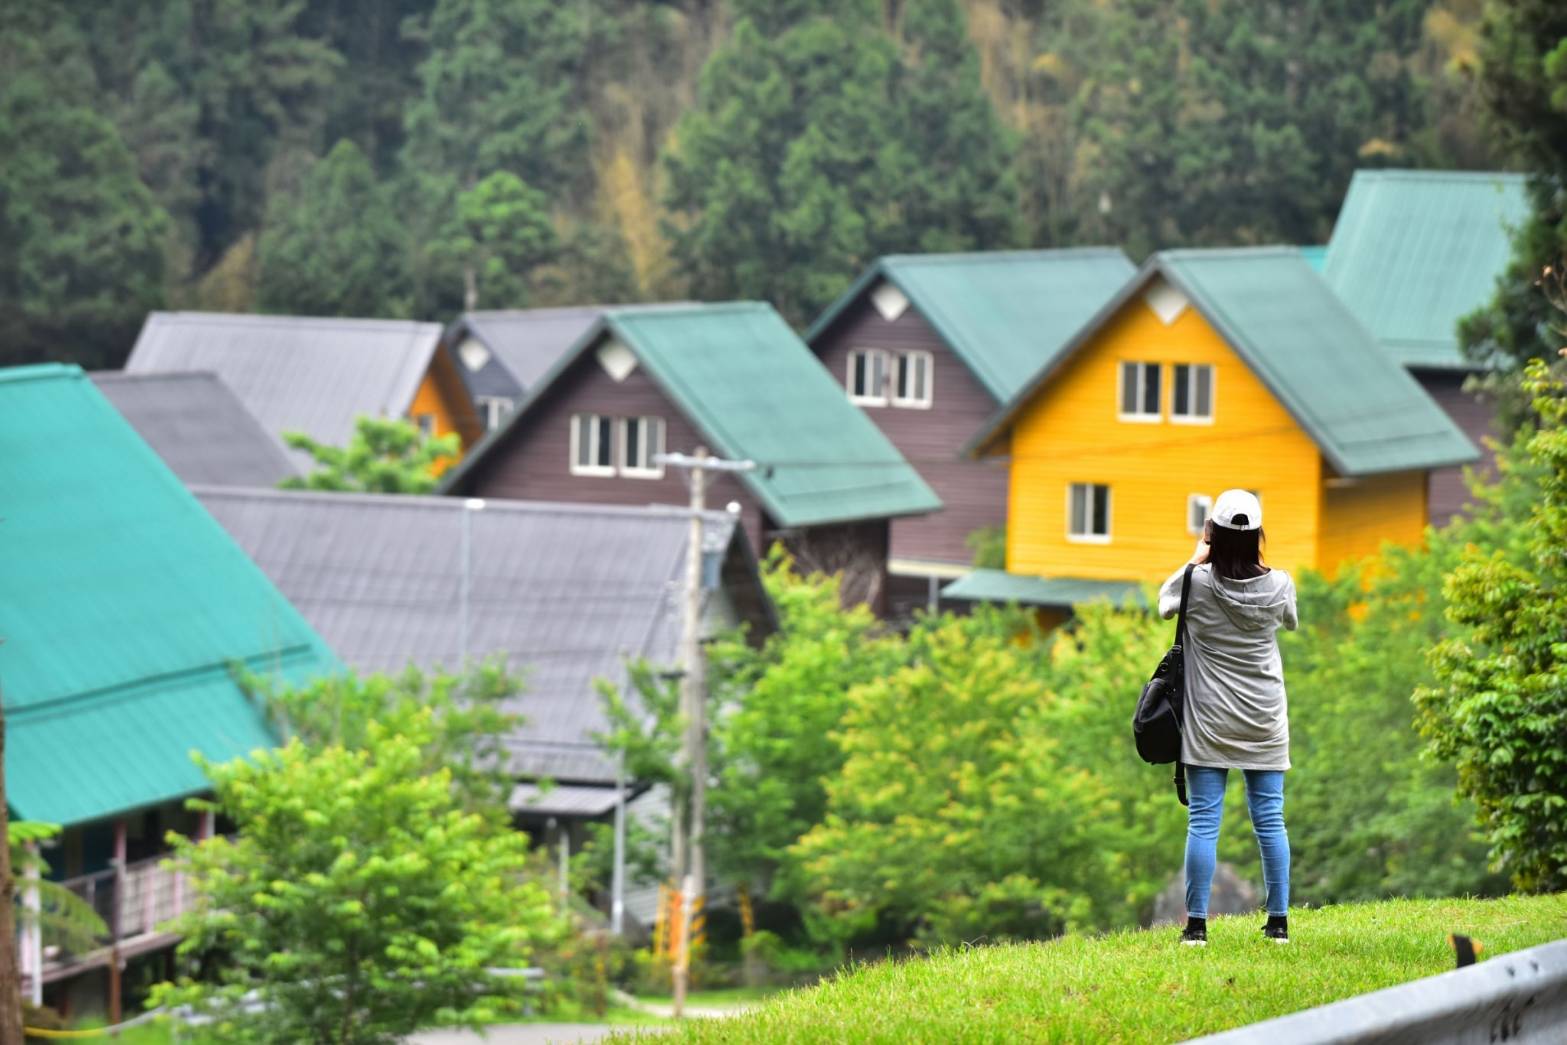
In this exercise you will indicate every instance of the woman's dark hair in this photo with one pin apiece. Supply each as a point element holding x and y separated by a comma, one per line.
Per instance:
<point>1235,554</point>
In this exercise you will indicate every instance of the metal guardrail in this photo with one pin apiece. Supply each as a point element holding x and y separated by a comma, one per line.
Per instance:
<point>1516,997</point>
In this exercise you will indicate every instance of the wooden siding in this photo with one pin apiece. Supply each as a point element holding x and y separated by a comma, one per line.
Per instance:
<point>1071,433</point>
<point>1448,493</point>
<point>444,397</point>
<point>973,493</point>
<point>533,464</point>
<point>1359,515</point>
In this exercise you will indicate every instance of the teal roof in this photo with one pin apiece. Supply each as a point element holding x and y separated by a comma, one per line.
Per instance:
<point>755,392</point>
<point>1315,256</point>
<point>1362,409</point>
<point>1030,590</point>
<point>1004,313</point>
<point>1413,252</point>
<point>125,605</point>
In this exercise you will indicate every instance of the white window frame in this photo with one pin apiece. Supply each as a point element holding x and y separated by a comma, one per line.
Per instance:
<point>649,423</point>
<point>576,435</point>
<point>914,402</point>
<point>1090,538</point>
<point>848,383</point>
<point>1193,500</point>
<point>1191,394</point>
<point>1142,378</point>
<point>495,408</point>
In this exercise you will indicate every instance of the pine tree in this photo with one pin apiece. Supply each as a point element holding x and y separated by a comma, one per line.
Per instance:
<point>335,246</point>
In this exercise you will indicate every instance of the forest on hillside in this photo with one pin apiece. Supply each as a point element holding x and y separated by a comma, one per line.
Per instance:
<point>411,157</point>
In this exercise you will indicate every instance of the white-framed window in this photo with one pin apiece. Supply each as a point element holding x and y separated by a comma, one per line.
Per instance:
<point>1088,513</point>
<point>1198,507</point>
<point>1139,393</point>
<point>592,445</point>
<point>641,440</point>
<point>1191,393</point>
<point>867,377</point>
<point>493,410</point>
<point>912,380</point>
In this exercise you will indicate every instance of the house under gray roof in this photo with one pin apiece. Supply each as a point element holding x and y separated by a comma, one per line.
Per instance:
<point>566,593</point>
<point>296,373</point>
<point>199,427</point>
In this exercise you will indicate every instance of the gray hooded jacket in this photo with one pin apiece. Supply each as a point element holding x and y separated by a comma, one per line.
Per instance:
<point>1237,716</point>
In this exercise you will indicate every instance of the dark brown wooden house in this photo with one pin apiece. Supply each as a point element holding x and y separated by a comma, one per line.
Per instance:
<point>732,378</point>
<point>929,347</point>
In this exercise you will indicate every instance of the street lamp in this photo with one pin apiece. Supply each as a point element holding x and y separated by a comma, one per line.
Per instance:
<point>470,507</point>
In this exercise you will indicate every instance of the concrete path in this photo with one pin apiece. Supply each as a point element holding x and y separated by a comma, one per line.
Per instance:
<point>520,1034</point>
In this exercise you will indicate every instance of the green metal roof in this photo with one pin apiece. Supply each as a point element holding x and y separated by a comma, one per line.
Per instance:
<point>1413,252</point>
<point>1316,256</point>
<point>125,605</point>
<point>1029,590</point>
<point>754,391</point>
<point>1005,313</point>
<point>1362,409</point>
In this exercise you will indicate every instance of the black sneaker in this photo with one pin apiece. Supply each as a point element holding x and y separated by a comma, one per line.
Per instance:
<point>1277,930</point>
<point>1196,933</point>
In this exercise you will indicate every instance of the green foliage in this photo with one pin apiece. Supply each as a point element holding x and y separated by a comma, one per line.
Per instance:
<point>1498,707</point>
<point>358,902</point>
<point>336,245</point>
<point>81,238</point>
<point>776,710</point>
<point>988,545</point>
<point>813,148</point>
<point>1523,81</point>
<point>66,920</point>
<point>464,720</point>
<point>501,232</point>
<point>384,456</point>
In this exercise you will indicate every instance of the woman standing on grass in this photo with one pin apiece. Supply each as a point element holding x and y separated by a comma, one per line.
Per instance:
<point>1236,714</point>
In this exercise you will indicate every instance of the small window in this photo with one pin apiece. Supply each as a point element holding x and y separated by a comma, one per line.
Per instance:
<point>493,410</point>
<point>867,380</point>
<point>1088,512</point>
<point>592,445</point>
<point>1140,392</point>
<point>641,440</point>
<point>1198,506</point>
<point>426,423</point>
<point>912,386</point>
<point>1192,395</point>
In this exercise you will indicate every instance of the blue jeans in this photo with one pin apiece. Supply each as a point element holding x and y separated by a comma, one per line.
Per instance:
<point>1265,800</point>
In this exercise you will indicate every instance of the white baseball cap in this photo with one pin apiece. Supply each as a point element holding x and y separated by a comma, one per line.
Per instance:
<point>1237,510</point>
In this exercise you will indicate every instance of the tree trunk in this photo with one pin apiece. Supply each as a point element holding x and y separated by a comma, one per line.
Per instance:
<point>10,980</point>
<point>470,288</point>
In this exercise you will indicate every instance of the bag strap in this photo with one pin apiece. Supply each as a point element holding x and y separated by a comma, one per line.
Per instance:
<point>1186,594</point>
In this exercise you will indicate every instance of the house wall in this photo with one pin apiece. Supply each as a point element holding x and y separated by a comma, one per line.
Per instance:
<point>1447,492</point>
<point>1359,515</point>
<point>1071,433</point>
<point>443,396</point>
<point>973,493</point>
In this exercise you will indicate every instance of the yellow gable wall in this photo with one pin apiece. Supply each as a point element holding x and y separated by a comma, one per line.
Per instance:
<point>1070,433</point>
<point>443,398</point>
<point>1358,515</point>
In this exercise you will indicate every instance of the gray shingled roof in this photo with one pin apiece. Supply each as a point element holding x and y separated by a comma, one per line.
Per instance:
<point>525,342</point>
<point>296,373</point>
<point>566,593</point>
<point>199,427</point>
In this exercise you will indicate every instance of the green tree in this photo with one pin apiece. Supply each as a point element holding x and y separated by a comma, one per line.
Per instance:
<point>358,901</point>
<point>469,717</point>
<point>1498,707</point>
<point>1523,81</point>
<point>81,238</point>
<point>500,233</point>
<point>335,246</point>
<point>792,170</point>
<point>385,455</point>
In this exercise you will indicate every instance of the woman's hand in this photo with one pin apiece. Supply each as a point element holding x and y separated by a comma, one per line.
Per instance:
<point>1200,556</point>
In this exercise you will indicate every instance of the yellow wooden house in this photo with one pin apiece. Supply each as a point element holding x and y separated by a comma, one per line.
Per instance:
<point>1211,369</point>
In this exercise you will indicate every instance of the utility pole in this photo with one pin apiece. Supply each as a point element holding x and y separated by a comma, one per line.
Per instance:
<point>693,702</point>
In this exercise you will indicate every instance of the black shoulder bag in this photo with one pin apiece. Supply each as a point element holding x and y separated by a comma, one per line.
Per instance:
<point>1156,725</point>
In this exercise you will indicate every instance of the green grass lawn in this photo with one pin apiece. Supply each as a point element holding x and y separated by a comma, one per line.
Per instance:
<point>1141,986</point>
<point>719,998</point>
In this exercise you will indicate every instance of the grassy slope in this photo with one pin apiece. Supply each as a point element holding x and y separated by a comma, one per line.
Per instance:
<point>1141,986</point>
